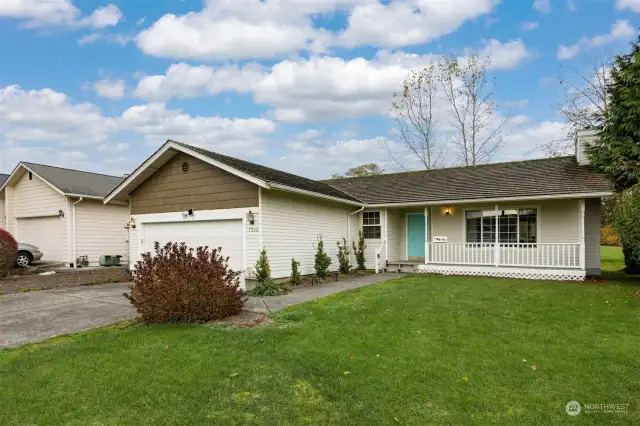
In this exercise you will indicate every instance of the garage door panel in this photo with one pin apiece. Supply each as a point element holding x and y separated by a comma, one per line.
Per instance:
<point>219,233</point>
<point>45,233</point>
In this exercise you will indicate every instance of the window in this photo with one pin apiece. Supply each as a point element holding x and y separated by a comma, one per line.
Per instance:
<point>371,225</point>
<point>513,226</point>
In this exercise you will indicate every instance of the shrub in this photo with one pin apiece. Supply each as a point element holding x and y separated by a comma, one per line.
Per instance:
<point>266,286</point>
<point>322,261</point>
<point>343,256</point>
<point>8,252</point>
<point>627,222</point>
<point>180,284</point>
<point>295,272</point>
<point>609,236</point>
<point>359,251</point>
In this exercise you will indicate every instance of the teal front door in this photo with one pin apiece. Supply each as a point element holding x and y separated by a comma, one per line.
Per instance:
<point>415,236</point>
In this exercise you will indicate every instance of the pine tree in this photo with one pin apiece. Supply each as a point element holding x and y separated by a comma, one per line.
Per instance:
<point>295,272</point>
<point>343,256</point>
<point>263,269</point>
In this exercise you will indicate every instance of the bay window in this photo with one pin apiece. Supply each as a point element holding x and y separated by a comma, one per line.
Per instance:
<point>512,226</point>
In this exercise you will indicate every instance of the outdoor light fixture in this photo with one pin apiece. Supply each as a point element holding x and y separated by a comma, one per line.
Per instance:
<point>131,223</point>
<point>447,211</point>
<point>60,213</point>
<point>251,218</point>
<point>188,213</point>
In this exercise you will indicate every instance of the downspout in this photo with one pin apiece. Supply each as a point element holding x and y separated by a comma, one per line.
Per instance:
<point>349,223</point>
<point>73,227</point>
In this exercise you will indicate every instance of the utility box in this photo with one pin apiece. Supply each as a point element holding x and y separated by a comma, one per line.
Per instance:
<point>110,260</point>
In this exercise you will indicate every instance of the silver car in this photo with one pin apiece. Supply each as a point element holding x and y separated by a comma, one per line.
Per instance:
<point>27,253</point>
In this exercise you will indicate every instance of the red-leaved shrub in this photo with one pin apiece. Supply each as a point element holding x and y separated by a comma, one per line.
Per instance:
<point>180,284</point>
<point>8,252</point>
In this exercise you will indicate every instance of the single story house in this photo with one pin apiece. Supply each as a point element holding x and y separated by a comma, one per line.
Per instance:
<point>61,212</point>
<point>532,219</point>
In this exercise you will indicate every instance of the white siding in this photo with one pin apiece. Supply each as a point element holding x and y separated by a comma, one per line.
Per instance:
<point>10,218</point>
<point>100,230</point>
<point>34,198</point>
<point>134,247</point>
<point>253,240</point>
<point>291,225</point>
<point>395,222</point>
<point>592,235</point>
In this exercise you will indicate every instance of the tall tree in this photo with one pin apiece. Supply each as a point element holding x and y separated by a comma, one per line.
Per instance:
<point>369,169</point>
<point>617,154</point>
<point>413,111</point>
<point>584,101</point>
<point>479,130</point>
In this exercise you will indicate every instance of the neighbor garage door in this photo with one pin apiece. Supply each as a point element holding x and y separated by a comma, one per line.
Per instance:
<point>44,233</point>
<point>217,233</point>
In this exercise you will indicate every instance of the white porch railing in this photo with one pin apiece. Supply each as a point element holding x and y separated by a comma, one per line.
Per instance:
<point>560,255</point>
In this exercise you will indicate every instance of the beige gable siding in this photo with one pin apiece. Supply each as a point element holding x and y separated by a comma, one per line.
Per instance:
<point>100,230</point>
<point>203,187</point>
<point>2,211</point>
<point>291,225</point>
<point>35,198</point>
<point>592,235</point>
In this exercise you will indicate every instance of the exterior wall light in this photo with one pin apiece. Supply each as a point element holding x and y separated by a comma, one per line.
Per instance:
<point>447,211</point>
<point>131,223</point>
<point>60,213</point>
<point>251,218</point>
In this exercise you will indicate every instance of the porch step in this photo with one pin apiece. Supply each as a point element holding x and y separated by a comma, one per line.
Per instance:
<point>402,266</point>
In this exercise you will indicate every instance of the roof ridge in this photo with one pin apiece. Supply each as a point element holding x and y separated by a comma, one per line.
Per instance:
<point>564,157</point>
<point>71,170</point>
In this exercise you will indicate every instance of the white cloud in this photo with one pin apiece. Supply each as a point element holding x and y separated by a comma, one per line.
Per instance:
<point>38,13</point>
<point>505,56</point>
<point>401,23</point>
<point>111,89</point>
<point>45,120</point>
<point>542,6</point>
<point>263,29</point>
<point>103,17</point>
<point>520,103</point>
<point>528,26</point>
<point>527,141</point>
<point>621,30</point>
<point>634,5</point>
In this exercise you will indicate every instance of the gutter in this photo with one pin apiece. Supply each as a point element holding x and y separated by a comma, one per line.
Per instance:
<point>73,228</point>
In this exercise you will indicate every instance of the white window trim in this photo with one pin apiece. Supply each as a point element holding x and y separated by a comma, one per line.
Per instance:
<point>493,208</point>
<point>380,225</point>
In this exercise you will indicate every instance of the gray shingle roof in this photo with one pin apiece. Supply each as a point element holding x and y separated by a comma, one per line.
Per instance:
<point>270,175</point>
<point>3,178</point>
<point>75,181</point>
<point>549,176</point>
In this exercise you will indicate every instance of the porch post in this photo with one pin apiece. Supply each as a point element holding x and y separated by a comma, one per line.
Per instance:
<point>427,220</point>
<point>386,237</point>
<point>496,245</point>
<point>582,235</point>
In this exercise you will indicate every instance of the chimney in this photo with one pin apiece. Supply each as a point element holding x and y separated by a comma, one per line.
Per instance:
<point>585,138</point>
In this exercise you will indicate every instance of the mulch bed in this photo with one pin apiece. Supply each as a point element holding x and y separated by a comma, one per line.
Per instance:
<point>244,319</point>
<point>29,280</point>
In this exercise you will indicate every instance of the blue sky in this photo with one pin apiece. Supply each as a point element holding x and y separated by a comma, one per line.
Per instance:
<point>300,85</point>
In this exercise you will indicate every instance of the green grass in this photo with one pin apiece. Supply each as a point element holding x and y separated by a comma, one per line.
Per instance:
<point>422,350</point>
<point>611,259</point>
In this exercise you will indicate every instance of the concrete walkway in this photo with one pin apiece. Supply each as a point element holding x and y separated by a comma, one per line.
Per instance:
<point>30,317</point>
<point>305,294</point>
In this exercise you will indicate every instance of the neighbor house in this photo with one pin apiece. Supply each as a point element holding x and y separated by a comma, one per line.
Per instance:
<point>3,179</point>
<point>531,219</point>
<point>61,212</point>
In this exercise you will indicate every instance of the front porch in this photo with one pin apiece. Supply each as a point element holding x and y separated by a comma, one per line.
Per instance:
<point>537,239</point>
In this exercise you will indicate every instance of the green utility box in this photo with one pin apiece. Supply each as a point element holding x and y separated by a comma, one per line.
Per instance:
<point>110,260</point>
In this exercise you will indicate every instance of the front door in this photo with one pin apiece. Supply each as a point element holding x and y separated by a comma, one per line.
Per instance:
<point>415,236</point>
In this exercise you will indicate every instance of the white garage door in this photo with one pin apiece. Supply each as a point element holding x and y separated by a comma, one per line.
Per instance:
<point>44,233</point>
<point>216,233</point>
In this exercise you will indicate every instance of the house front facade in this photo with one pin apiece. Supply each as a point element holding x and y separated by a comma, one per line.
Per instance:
<point>532,219</point>
<point>61,211</point>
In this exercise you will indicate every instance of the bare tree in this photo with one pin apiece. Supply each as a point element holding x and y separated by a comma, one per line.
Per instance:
<point>412,110</point>
<point>478,130</point>
<point>584,102</point>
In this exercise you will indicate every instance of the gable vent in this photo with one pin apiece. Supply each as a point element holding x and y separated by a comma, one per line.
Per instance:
<point>185,167</point>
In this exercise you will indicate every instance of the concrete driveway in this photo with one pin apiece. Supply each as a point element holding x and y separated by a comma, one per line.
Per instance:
<point>29,317</point>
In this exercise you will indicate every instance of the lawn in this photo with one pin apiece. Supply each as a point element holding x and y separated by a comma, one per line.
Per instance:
<point>416,350</point>
<point>611,258</point>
